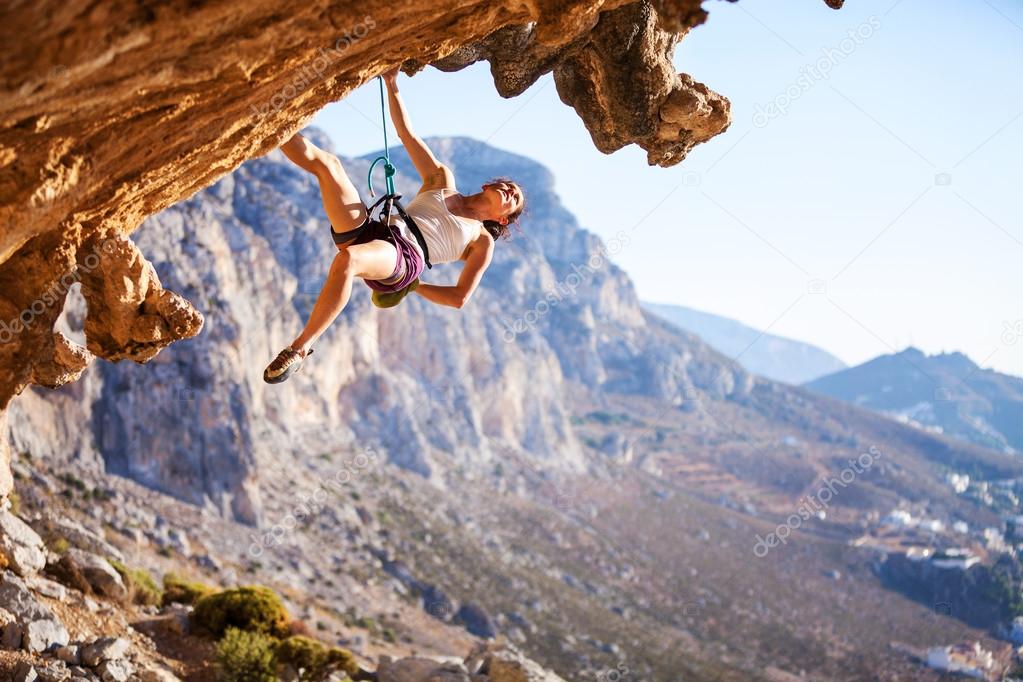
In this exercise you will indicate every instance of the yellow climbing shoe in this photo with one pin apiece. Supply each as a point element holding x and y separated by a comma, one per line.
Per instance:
<point>393,298</point>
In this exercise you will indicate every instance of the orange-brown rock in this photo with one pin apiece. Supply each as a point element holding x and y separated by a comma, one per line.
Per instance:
<point>110,112</point>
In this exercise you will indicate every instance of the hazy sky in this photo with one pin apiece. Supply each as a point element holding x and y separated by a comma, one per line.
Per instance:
<point>881,209</point>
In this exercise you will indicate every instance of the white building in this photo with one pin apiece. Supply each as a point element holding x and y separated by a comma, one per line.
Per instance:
<point>960,482</point>
<point>899,517</point>
<point>960,559</point>
<point>931,525</point>
<point>972,661</point>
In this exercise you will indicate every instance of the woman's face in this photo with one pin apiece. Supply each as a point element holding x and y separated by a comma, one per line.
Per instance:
<point>503,199</point>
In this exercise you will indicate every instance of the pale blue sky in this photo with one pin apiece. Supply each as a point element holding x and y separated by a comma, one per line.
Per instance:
<point>931,87</point>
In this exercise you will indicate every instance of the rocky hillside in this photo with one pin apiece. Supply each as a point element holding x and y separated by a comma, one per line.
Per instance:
<point>946,393</point>
<point>394,494</point>
<point>771,356</point>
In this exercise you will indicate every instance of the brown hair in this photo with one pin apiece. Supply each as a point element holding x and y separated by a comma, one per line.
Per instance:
<point>496,229</point>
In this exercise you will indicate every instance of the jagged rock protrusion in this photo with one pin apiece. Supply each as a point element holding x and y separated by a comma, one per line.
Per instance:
<point>63,365</point>
<point>618,76</point>
<point>622,83</point>
<point>131,316</point>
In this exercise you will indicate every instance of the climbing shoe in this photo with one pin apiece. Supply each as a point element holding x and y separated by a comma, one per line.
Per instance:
<point>393,298</point>
<point>287,362</point>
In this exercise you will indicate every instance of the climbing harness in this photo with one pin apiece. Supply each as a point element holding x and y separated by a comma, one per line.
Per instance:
<point>388,200</point>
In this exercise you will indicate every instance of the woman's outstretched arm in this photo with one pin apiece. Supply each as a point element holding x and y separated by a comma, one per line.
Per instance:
<point>434,173</point>
<point>481,251</point>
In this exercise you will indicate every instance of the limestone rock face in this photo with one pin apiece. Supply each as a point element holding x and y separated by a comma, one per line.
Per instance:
<point>110,113</point>
<point>428,388</point>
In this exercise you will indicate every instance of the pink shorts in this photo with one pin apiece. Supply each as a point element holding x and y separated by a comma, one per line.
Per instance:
<point>410,263</point>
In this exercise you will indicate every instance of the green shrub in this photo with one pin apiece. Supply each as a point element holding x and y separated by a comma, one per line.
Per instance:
<point>315,661</point>
<point>253,608</point>
<point>177,589</point>
<point>74,482</point>
<point>367,623</point>
<point>246,657</point>
<point>60,545</point>
<point>141,586</point>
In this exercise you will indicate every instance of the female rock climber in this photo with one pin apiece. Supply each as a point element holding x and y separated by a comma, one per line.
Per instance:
<point>388,257</point>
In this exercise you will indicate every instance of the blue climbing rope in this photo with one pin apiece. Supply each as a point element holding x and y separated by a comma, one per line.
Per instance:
<point>388,166</point>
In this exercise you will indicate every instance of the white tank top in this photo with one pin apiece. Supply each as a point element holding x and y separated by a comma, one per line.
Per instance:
<point>446,234</point>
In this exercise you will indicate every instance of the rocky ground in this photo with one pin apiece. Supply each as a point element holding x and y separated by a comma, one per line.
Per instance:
<point>66,612</point>
<point>390,566</point>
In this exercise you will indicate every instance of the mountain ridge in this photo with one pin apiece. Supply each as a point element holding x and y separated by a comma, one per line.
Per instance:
<point>775,357</point>
<point>946,392</point>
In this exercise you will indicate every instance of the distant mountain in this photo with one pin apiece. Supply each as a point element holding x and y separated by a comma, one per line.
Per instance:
<point>947,393</point>
<point>774,357</point>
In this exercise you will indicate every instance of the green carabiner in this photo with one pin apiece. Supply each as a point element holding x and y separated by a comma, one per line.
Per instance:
<point>389,171</point>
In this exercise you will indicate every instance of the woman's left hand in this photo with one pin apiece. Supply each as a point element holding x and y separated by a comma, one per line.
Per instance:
<point>391,76</point>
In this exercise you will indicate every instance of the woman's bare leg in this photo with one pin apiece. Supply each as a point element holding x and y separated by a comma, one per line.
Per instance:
<point>371,260</point>
<point>341,200</point>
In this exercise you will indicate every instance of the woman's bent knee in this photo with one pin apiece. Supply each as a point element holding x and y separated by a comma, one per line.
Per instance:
<point>344,260</point>
<point>329,165</point>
